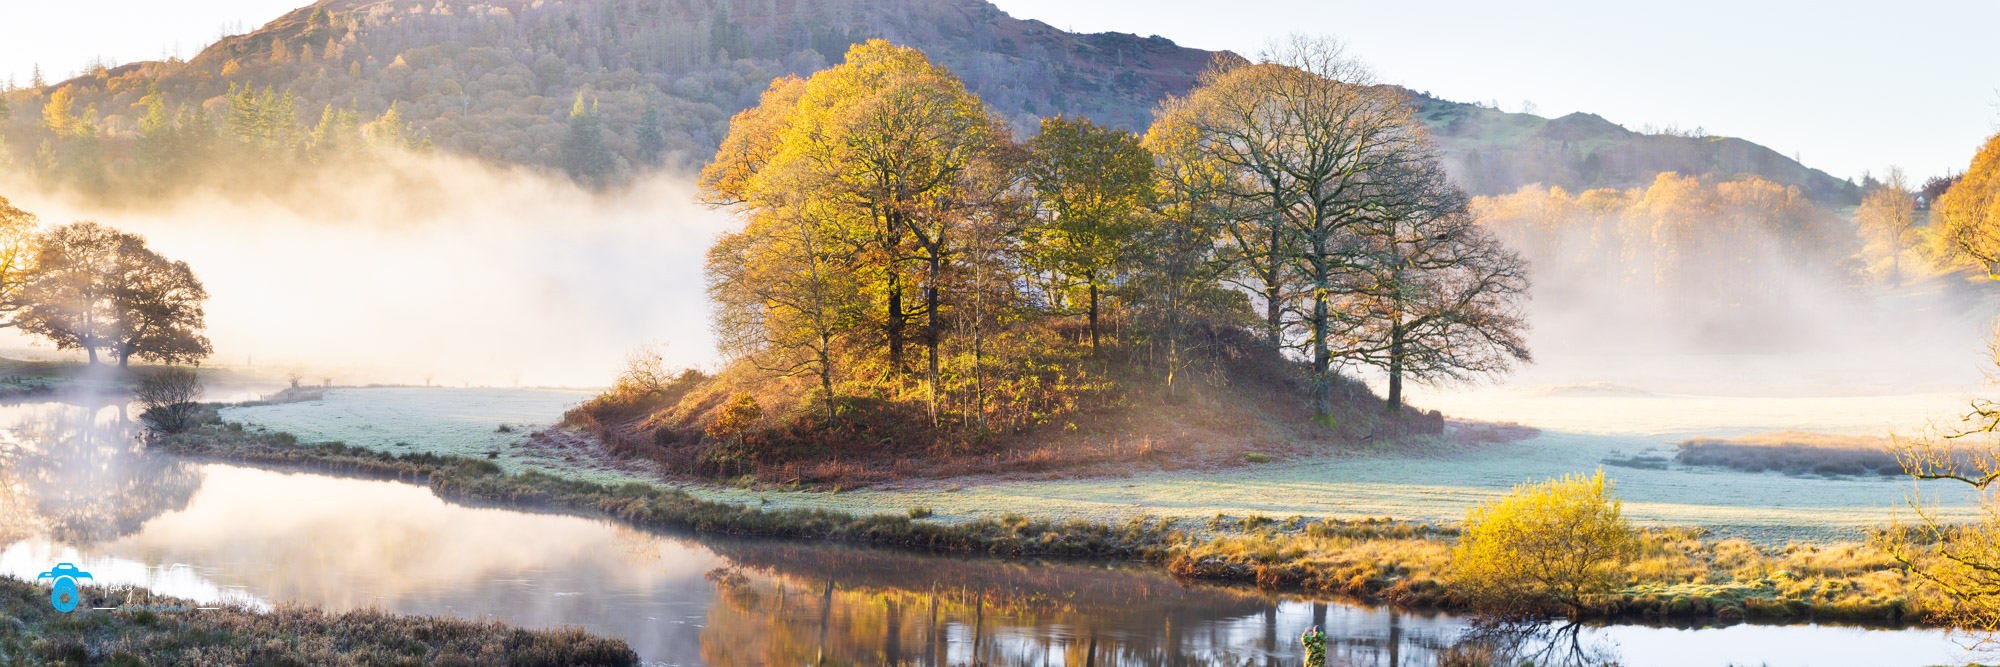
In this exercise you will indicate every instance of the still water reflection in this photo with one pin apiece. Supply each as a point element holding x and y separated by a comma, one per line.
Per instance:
<point>77,489</point>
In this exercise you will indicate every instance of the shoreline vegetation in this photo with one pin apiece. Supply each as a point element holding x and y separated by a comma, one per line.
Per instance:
<point>159,632</point>
<point>1675,574</point>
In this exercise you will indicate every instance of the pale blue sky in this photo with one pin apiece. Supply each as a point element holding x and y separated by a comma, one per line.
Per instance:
<point>1844,85</point>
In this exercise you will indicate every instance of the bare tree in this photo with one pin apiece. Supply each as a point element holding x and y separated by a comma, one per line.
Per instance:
<point>168,399</point>
<point>1438,298</point>
<point>1956,563</point>
<point>1308,140</point>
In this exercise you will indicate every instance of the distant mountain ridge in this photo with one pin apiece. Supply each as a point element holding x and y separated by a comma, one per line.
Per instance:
<point>495,79</point>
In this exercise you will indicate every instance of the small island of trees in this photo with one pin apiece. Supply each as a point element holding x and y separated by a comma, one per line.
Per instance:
<point>913,275</point>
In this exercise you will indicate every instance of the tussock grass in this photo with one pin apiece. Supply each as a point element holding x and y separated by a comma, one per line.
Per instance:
<point>1794,452</point>
<point>35,633</point>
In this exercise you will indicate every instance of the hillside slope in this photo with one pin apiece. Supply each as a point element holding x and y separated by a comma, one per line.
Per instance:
<point>496,79</point>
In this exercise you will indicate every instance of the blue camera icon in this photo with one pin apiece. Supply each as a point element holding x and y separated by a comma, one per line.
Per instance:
<point>65,597</point>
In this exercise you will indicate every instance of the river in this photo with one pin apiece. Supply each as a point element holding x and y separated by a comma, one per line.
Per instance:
<point>78,489</point>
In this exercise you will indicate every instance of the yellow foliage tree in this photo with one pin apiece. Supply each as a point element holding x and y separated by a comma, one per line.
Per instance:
<point>1091,185</point>
<point>1887,219</point>
<point>1547,545</point>
<point>1968,215</point>
<point>860,182</point>
<point>736,419</point>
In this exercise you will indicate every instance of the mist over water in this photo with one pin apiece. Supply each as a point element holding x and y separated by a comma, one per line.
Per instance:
<point>435,267</point>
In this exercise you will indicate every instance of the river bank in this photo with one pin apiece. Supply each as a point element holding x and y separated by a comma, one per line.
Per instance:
<point>1682,574</point>
<point>132,626</point>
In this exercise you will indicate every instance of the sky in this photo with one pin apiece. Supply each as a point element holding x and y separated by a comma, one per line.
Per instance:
<point>1845,86</point>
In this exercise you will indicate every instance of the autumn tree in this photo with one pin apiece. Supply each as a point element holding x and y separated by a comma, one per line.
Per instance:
<point>787,296</point>
<point>159,308</point>
<point>1090,187</point>
<point>1178,269</point>
<point>1436,297</point>
<point>1887,220</point>
<point>1968,214</point>
<point>17,257</point>
<point>1254,239</point>
<point>94,287</point>
<point>68,299</point>
<point>884,150</point>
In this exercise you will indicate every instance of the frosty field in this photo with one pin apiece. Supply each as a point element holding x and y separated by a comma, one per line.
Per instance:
<point>1582,429</point>
<point>439,420</point>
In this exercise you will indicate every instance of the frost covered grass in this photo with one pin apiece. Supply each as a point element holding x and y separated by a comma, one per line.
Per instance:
<point>1579,433</point>
<point>492,424</point>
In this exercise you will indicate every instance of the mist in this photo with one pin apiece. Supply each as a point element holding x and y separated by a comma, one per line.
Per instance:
<point>441,269</point>
<point>1730,288</point>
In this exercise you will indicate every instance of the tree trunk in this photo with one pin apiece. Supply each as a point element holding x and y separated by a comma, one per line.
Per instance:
<point>1093,316</point>
<point>1273,310</point>
<point>1395,403</point>
<point>895,323</point>
<point>1322,357</point>
<point>92,350</point>
<point>931,333</point>
<point>826,376</point>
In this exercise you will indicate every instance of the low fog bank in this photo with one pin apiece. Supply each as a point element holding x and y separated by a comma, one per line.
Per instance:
<point>1731,288</point>
<point>434,268</point>
<point>1905,342</point>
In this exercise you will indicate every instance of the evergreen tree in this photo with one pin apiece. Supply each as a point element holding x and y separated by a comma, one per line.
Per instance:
<point>154,150</point>
<point>652,141</point>
<point>584,155</point>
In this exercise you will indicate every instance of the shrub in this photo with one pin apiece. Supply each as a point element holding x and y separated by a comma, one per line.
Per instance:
<point>1553,544</point>
<point>168,399</point>
<point>1254,457</point>
<point>920,512</point>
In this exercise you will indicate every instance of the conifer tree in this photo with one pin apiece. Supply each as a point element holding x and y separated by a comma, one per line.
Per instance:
<point>584,155</point>
<point>652,141</point>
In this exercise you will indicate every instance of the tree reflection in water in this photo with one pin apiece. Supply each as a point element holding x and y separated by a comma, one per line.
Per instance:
<point>1528,641</point>
<point>75,471</point>
<point>814,604</point>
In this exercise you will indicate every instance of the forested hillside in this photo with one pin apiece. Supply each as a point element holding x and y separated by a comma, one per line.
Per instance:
<point>605,89</point>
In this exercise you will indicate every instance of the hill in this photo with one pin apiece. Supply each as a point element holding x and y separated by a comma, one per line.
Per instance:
<point>497,80</point>
<point>1494,152</point>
